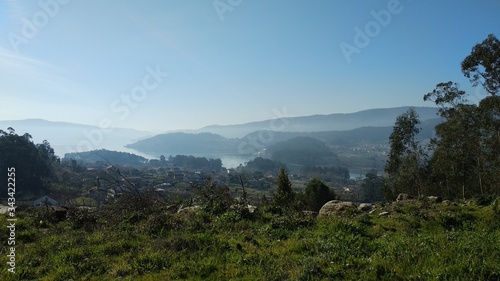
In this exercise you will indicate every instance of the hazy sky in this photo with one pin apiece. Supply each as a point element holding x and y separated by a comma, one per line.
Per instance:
<point>185,64</point>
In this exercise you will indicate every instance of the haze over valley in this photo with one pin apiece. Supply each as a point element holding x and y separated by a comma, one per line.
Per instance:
<point>235,144</point>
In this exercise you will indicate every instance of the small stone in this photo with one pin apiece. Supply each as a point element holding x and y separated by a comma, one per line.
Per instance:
<point>384,214</point>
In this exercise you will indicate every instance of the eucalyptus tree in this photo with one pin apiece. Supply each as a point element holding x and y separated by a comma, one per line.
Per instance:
<point>407,158</point>
<point>482,66</point>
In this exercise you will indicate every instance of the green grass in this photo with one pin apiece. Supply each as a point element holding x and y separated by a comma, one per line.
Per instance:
<point>415,242</point>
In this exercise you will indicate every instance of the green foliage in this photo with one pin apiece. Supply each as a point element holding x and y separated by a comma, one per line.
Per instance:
<point>465,162</point>
<point>406,163</point>
<point>115,157</point>
<point>338,175</point>
<point>284,196</point>
<point>212,198</point>
<point>481,66</point>
<point>317,194</point>
<point>33,164</point>
<point>263,165</point>
<point>372,188</point>
<point>417,242</point>
<point>191,162</point>
<point>465,159</point>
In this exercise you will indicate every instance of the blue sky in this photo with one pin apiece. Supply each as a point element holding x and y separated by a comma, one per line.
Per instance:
<point>185,64</point>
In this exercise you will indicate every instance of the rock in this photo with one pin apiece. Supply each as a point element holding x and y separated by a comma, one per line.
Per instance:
<point>434,199</point>
<point>336,207</point>
<point>364,207</point>
<point>251,208</point>
<point>402,197</point>
<point>384,214</point>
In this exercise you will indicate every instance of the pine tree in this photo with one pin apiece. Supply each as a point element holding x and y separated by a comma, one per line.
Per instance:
<point>284,194</point>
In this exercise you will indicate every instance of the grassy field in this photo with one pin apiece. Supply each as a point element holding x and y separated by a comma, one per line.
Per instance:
<point>415,241</point>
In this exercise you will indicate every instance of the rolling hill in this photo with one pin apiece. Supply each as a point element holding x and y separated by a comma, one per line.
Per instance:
<point>316,123</point>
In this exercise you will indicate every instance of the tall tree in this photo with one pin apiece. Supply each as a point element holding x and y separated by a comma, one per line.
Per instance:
<point>33,163</point>
<point>284,194</point>
<point>489,111</point>
<point>458,159</point>
<point>457,155</point>
<point>406,160</point>
<point>466,152</point>
<point>482,66</point>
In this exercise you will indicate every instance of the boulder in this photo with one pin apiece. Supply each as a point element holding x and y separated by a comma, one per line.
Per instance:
<point>402,197</point>
<point>335,207</point>
<point>364,207</point>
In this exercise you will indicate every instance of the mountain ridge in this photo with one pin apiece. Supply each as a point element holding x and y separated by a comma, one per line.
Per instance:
<point>65,136</point>
<point>377,117</point>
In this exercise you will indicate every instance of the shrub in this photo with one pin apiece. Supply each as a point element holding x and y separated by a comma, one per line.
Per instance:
<point>484,199</point>
<point>212,198</point>
<point>317,194</point>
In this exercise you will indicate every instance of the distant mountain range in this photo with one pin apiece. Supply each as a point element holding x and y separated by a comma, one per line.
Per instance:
<point>213,144</point>
<point>381,117</point>
<point>350,129</point>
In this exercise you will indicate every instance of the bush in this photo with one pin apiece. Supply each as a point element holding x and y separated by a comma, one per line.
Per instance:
<point>484,200</point>
<point>211,198</point>
<point>317,194</point>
